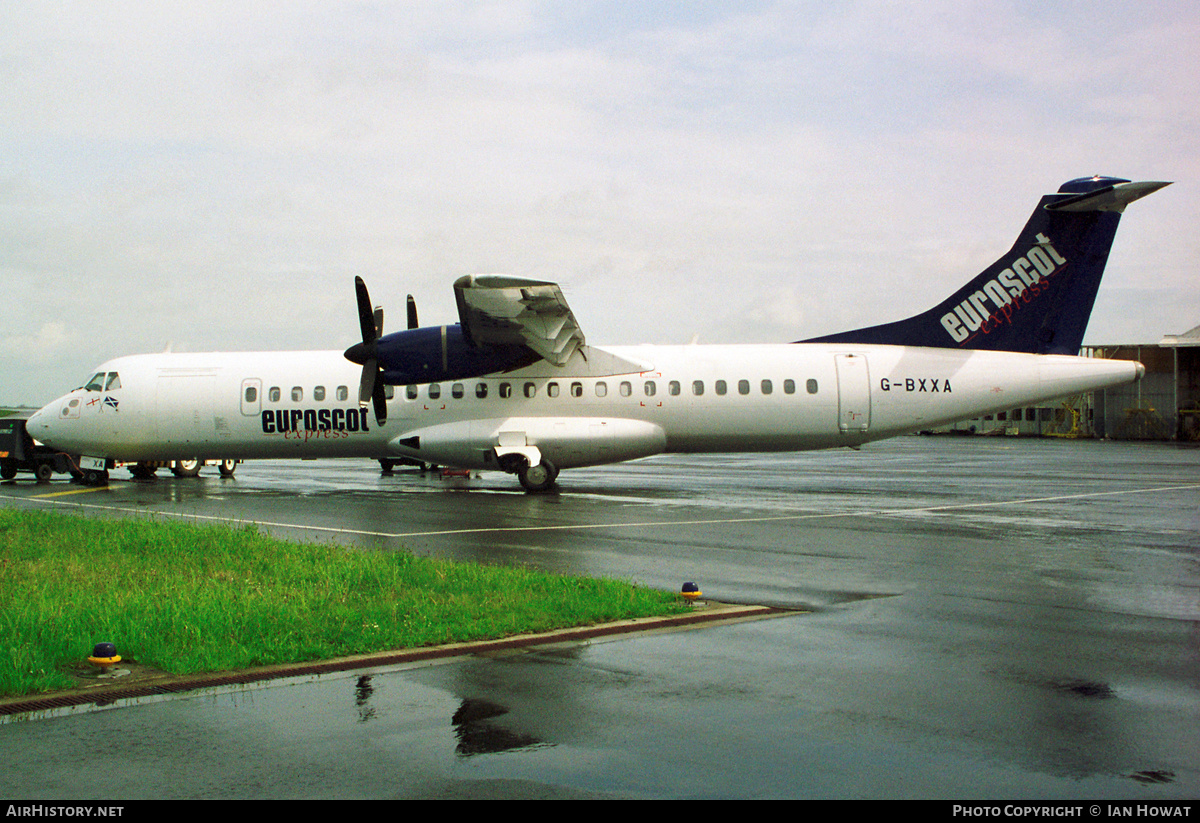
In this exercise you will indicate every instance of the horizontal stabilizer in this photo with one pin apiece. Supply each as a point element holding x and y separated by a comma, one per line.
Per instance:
<point>1111,198</point>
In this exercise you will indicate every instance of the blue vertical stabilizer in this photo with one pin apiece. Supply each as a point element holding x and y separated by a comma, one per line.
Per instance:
<point>1036,298</point>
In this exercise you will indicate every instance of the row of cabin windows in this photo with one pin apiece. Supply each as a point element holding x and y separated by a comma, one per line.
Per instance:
<point>274,394</point>
<point>624,388</point>
<point>529,389</point>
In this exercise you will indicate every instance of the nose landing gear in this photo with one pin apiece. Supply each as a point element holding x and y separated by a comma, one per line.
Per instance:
<point>95,477</point>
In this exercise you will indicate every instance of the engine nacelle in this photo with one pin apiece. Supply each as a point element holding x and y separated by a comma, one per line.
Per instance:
<point>441,353</point>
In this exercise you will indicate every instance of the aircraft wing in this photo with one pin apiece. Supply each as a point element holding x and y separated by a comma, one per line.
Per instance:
<point>496,310</point>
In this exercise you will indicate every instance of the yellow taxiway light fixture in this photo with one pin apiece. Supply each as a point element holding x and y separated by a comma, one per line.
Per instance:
<point>104,656</point>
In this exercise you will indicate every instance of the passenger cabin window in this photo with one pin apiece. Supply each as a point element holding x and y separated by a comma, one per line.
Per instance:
<point>456,391</point>
<point>251,394</point>
<point>811,385</point>
<point>389,392</point>
<point>342,392</point>
<point>601,388</point>
<point>481,390</point>
<point>552,389</point>
<point>697,387</point>
<point>743,387</point>
<point>789,386</point>
<point>673,388</point>
<point>767,388</point>
<point>506,390</point>
<point>720,388</point>
<point>577,390</point>
<point>410,392</point>
<point>626,388</point>
<point>530,389</point>
<point>435,391</point>
<point>319,393</point>
<point>651,387</point>
<point>274,394</point>
<point>297,394</point>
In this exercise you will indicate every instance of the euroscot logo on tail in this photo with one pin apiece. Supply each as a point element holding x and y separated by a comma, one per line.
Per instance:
<point>1006,293</point>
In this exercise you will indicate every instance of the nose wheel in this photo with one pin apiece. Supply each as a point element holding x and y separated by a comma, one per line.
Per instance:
<point>538,478</point>
<point>95,477</point>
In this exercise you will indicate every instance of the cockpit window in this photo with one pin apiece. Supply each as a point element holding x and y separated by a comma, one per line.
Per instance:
<point>114,381</point>
<point>96,383</point>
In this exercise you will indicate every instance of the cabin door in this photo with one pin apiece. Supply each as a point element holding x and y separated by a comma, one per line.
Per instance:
<point>854,393</point>
<point>185,410</point>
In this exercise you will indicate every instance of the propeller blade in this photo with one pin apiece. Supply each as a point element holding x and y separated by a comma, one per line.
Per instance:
<point>366,317</point>
<point>366,385</point>
<point>370,322</point>
<point>412,313</point>
<point>379,400</point>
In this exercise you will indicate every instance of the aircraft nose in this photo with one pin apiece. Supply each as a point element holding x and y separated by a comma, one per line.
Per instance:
<point>39,422</point>
<point>46,425</point>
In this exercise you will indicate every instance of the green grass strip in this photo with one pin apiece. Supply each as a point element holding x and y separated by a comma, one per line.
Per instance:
<point>187,599</point>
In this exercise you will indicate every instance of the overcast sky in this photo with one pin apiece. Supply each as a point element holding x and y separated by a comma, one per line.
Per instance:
<point>213,175</point>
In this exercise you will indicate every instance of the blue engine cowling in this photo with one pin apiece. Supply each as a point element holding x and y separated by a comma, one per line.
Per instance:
<point>441,353</point>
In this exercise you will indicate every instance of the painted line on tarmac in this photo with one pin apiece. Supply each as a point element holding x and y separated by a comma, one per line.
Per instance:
<point>72,491</point>
<point>715,521</point>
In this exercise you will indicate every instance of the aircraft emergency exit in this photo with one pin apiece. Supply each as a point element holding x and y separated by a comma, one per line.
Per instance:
<point>514,386</point>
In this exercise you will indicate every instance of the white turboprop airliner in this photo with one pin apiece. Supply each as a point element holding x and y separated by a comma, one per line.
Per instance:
<point>514,386</point>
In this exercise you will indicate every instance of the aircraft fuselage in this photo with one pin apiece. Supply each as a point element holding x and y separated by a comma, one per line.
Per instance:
<point>786,397</point>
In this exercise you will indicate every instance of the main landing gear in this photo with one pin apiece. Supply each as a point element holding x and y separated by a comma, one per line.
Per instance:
<point>536,478</point>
